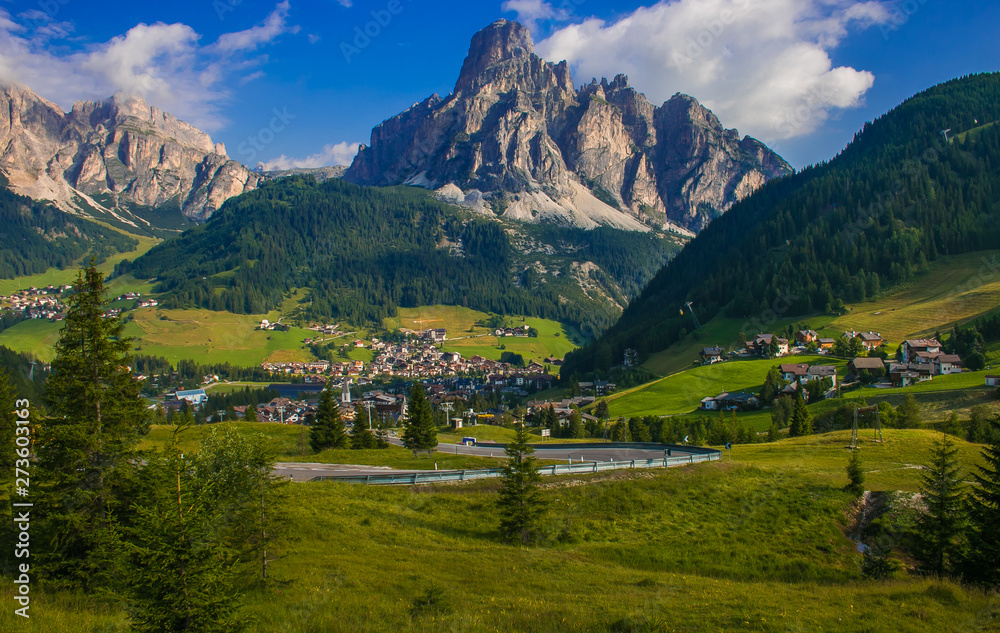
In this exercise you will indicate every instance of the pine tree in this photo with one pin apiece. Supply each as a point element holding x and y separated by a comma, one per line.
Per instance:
<point>801,423</point>
<point>520,503</point>
<point>8,423</point>
<point>251,413</point>
<point>982,565</point>
<point>361,435</point>
<point>420,431</point>
<point>601,410</point>
<point>94,420</point>
<point>177,573</point>
<point>855,474</point>
<point>575,426</point>
<point>908,413</point>
<point>938,529</point>
<point>328,431</point>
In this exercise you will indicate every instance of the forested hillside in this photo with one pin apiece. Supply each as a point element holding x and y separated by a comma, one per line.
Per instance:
<point>920,182</point>
<point>36,237</point>
<point>363,252</point>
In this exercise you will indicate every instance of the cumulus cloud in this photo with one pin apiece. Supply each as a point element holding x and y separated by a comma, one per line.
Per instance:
<point>763,66</point>
<point>531,12</point>
<point>339,154</point>
<point>164,63</point>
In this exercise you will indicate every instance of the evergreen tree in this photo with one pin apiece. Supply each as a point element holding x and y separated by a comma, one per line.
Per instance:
<point>328,431</point>
<point>855,474</point>
<point>361,435</point>
<point>8,424</point>
<point>982,564</point>
<point>801,421</point>
<point>908,413</point>
<point>251,413</point>
<point>94,420</point>
<point>601,410</point>
<point>177,575</point>
<point>420,431</point>
<point>939,528</point>
<point>549,420</point>
<point>575,426</point>
<point>520,503</point>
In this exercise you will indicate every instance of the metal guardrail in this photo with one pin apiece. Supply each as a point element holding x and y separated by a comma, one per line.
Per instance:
<point>557,469</point>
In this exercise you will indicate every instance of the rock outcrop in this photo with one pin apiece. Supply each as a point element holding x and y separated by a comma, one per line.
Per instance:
<point>113,155</point>
<point>520,140</point>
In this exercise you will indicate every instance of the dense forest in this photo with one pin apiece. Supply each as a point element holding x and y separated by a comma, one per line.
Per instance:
<point>36,237</point>
<point>363,252</point>
<point>920,182</point>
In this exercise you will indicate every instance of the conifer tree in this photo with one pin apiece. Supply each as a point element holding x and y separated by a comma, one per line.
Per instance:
<point>801,422</point>
<point>328,431</point>
<point>8,423</point>
<point>520,503</point>
<point>361,435</point>
<point>939,528</point>
<point>177,573</point>
<point>251,413</point>
<point>420,431</point>
<point>982,564</point>
<point>855,474</point>
<point>94,420</point>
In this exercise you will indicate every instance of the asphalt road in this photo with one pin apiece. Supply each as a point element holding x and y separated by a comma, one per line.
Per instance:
<point>304,471</point>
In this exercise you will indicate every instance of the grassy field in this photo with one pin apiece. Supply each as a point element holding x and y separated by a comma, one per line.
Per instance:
<point>955,290</point>
<point>683,392</point>
<point>469,339</point>
<point>57,277</point>
<point>215,337</point>
<point>757,544</point>
<point>36,336</point>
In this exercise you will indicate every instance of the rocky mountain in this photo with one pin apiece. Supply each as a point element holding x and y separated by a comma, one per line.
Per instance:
<point>113,158</point>
<point>518,139</point>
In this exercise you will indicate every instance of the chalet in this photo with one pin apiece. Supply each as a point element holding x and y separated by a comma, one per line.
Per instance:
<point>819,372</point>
<point>826,343</point>
<point>871,365</point>
<point>551,360</point>
<point>871,340</point>
<point>739,402</point>
<point>993,381</point>
<point>761,344</point>
<point>804,337</point>
<point>946,364</point>
<point>912,346</point>
<point>603,387</point>
<point>906,374</point>
<point>794,373</point>
<point>711,355</point>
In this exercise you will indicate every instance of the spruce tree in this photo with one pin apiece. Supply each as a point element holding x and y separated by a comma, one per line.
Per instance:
<point>8,423</point>
<point>94,420</point>
<point>801,422</point>
<point>982,564</point>
<point>420,431</point>
<point>939,528</point>
<point>361,435</point>
<point>855,474</point>
<point>520,503</point>
<point>328,431</point>
<point>251,413</point>
<point>177,574</point>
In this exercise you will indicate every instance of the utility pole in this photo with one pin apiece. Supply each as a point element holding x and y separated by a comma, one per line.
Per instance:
<point>281,411</point>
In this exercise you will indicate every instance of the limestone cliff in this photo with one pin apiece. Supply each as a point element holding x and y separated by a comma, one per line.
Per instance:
<point>517,138</point>
<point>113,155</point>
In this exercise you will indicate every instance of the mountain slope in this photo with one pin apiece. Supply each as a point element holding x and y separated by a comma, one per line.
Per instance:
<point>518,139</point>
<point>897,197</point>
<point>363,252</point>
<point>120,159</point>
<point>36,237</point>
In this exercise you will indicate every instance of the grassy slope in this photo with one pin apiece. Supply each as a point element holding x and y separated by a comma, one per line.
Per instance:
<point>755,546</point>
<point>683,392</point>
<point>955,290</point>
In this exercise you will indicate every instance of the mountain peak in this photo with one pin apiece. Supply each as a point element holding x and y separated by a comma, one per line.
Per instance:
<point>499,42</point>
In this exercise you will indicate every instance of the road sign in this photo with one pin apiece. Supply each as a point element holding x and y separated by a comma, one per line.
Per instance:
<point>546,432</point>
<point>729,446</point>
<point>686,439</point>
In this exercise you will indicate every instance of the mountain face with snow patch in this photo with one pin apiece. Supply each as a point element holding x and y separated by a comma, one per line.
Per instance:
<point>518,139</point>
<point>113,158</point>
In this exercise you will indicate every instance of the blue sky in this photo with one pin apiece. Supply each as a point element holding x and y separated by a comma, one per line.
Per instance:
<point>801,75</point>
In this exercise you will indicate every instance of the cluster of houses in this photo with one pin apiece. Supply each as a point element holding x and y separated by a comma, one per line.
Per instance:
<point>774,346</point>
<point>38,303</point>
<point>268,326</point>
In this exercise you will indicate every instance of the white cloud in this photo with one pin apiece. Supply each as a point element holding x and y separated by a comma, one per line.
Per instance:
<point>531,12</point>
<point>339,154</point>
<point>276,24</point>
<point>763,66</point>
<point>163,63</point>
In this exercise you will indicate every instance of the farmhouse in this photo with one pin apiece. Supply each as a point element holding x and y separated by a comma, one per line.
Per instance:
<point>711,355</point>
<point>912,347</point>
<point>871,365</point>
